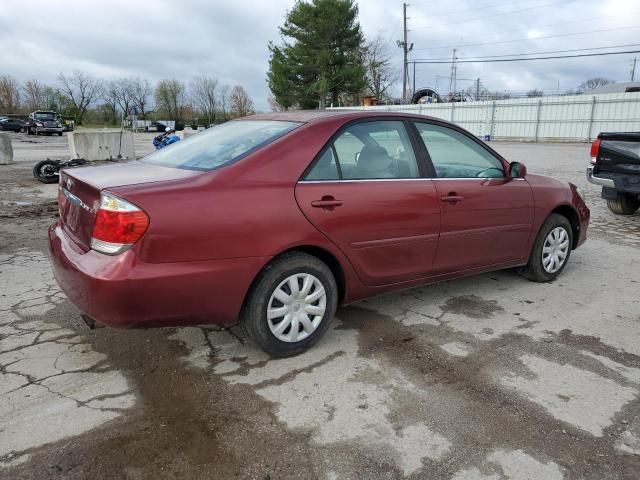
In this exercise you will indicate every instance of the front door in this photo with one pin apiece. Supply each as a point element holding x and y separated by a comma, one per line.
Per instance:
<point>486,217</point>
<point>366,194</point>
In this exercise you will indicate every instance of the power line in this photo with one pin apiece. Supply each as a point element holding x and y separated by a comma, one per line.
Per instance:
<point>629,14</point>
<point>534,53</point>
<point>533,38</point>
<point>497,14</point>
<point>531,58</point>
<point>439,14</point>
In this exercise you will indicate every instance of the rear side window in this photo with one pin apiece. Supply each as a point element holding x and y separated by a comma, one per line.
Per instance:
<point>367,150</point>
<point>454,155</point>
<point>325,168</point>
<point>220,145</point>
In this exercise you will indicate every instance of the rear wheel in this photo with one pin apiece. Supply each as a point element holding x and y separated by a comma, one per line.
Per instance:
<point>46,171</point>
<point>551,250</point>
<point>624,204</point>
<point>290,305</point>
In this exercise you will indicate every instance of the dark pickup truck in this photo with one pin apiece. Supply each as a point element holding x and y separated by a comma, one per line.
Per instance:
<point>615,165</point>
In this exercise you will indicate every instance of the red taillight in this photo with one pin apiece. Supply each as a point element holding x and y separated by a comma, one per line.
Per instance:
<point>595,150</point>
<point>118,225</point>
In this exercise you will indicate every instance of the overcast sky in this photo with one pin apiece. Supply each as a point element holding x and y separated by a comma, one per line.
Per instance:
<point>228,39</point>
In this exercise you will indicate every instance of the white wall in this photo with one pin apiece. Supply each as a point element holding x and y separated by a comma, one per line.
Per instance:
<point>573,117</point>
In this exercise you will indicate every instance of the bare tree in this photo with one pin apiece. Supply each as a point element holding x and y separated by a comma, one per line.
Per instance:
<point>204,93</point>
<point>241,102</point>
<point>9,94</point>
<point>224,101</point>
<point>81,90</point>
<point>275,106</point>
<point>535,93</point>
<point>595,82</point>
<point>124,92</point>
<point>380,74</point>
<point>142,91</point>
<point>170,98</point>
<point>110,97</point>
<point>35,95</point>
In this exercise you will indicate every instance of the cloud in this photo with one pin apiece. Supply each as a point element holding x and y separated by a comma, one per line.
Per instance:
<point>228,40</point>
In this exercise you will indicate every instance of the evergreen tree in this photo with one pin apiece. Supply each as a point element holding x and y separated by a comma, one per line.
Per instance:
<point>321,57</point>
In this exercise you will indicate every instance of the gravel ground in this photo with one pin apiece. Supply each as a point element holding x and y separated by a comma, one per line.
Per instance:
<point>485,378</point>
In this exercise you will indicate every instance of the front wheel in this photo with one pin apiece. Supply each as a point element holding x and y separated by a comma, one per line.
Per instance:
<point>46,171</point>
<point>551,250</point>
<point>290,305</point>
<point>624,204</point>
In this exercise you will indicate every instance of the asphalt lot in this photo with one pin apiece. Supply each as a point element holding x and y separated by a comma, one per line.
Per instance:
<point>485,378</point>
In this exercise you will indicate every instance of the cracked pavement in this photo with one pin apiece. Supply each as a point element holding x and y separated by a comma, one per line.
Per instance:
<point>484,378</point>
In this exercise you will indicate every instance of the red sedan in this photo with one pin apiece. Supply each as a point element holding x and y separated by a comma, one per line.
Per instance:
<point>275,220</point>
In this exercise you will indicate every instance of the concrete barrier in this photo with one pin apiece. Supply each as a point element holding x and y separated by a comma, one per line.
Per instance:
<point>101,145</point>
<point>6,150</point>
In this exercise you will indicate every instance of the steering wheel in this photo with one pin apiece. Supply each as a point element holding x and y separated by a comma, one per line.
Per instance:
<point>481,172</point>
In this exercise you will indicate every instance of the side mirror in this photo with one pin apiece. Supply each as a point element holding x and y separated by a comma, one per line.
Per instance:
<point>517,170</point>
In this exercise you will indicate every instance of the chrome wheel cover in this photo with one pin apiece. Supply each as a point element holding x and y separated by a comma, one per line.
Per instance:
<point>296,307</point>
<point>555,250</point>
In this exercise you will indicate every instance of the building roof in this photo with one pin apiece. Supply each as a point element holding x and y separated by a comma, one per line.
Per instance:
<point>616,88</point>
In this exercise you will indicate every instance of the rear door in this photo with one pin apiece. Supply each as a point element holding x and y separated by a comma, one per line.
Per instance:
<point>486,217</point>
<point>366,193</point>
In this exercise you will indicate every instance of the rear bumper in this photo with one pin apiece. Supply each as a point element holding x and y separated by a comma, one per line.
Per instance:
<point>604,182</point>
<point>121,291</point>
<point>621,182</point>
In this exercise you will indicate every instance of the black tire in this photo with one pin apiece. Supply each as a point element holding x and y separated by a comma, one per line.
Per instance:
<point>624,204</point>
<point>253,317</point>
<point>535,269</point>
<point>59,134</point>
<point>46,171</point>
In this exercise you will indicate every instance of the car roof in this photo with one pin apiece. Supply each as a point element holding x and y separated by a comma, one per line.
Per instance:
<point>306,116</point>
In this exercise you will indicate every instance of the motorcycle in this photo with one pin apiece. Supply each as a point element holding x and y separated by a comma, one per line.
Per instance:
<point>48,171</point>
<point>165,139</point>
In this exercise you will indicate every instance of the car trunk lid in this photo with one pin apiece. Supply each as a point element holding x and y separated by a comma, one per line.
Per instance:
<point>79,192</point>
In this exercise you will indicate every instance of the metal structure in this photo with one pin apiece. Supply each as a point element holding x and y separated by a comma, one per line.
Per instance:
<point>559,118</point>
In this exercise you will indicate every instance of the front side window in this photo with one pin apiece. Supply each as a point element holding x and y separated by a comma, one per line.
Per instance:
<point>220,145</point>
<point>368,150</point>
<point>454,155</point>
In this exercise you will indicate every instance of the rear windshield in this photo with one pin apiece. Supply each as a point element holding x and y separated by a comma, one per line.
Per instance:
<point>220,145</point>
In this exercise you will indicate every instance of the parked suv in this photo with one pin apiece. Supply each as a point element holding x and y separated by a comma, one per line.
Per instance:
<point>44,122</point>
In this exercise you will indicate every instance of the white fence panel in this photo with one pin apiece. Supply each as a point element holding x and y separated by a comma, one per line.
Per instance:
<point>573,117</point>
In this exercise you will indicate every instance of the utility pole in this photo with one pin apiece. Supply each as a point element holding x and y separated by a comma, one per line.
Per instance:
<point>633,69</point>
<point>477,89</point>
<point>406,48</point>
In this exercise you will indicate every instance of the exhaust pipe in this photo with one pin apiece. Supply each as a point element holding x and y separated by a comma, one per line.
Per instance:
<point>90,322</point>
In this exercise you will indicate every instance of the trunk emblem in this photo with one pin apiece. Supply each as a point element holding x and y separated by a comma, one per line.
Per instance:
<point>69,184</point>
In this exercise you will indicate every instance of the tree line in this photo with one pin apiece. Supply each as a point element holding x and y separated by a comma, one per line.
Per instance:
<point>91,100</point>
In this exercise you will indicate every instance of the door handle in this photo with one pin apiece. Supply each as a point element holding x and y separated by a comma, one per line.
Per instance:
<point>452,198</point>
<point>327,202</point>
